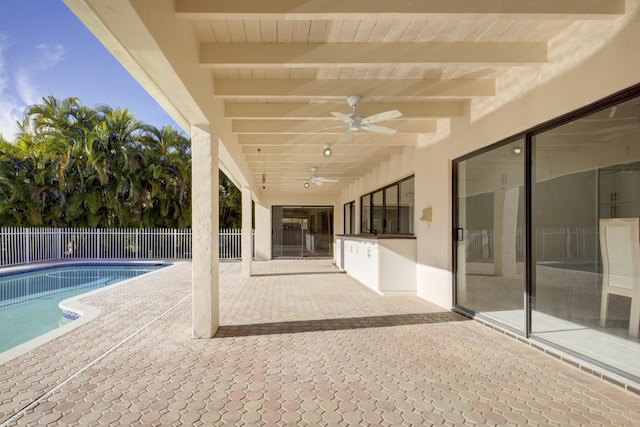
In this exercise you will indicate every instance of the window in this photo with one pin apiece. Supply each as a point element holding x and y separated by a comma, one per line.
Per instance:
<point>350,218</point>
<point>365,214</point>
<point>389,210</point>
<point>406,206</point>
<point>377,209</point>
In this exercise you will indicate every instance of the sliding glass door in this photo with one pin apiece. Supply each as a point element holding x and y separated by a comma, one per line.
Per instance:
<point>302,231</point>
<point>490,235</point>
<point>565,270</point>
<point>586,193</point>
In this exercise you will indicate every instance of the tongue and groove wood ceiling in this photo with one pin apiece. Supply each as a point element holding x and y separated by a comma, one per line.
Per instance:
<point>282,68</point>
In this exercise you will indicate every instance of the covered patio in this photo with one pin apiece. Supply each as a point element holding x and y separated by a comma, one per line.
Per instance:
<point>302,344</point>
<point>442,118</point>
<point>256,86</point>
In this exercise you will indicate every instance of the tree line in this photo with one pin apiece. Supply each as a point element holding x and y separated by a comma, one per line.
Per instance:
<point>71,165</point>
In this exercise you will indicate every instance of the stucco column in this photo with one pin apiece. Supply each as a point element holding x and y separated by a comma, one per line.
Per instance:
<point>247,231</point>
<point>204,224</point>
<point>263,232</point>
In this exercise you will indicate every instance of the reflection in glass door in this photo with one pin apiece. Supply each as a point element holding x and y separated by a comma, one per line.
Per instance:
<point>490,240</point>
<point>585,192</point>
<point>302,231</point>
<point>618,191</point>
<point>582,267</point>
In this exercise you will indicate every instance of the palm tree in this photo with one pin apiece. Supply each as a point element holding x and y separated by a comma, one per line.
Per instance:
<point>59,131</point>
<point>110,153</point>
<point>72,165</point>
<point>230,203</point>
<point>167,163</point>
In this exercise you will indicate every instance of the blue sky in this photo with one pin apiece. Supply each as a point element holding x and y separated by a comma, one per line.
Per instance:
<point>45,50</point>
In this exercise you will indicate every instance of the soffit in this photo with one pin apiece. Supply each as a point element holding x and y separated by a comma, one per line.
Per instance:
<point>282,67</point>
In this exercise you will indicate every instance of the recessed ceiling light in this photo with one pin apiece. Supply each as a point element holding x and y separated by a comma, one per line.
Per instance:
<point>327,152</point>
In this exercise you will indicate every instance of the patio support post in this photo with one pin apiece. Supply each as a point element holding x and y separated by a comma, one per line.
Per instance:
<point>205,211</point>
<point>247,231</point>
<point>262,241</point>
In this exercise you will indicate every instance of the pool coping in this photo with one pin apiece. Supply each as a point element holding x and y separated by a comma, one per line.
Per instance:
<point>87,312</point>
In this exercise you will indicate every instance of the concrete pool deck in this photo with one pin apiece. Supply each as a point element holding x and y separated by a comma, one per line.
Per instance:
<point>301,344</point>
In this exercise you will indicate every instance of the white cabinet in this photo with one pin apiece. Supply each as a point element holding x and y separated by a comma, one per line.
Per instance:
<point>386,265</point>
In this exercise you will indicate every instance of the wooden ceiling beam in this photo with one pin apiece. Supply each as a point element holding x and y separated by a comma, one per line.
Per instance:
<point>266,142</point>
<point>341,55</point>
<point>340,88</point>
<point>443,109</point>
<point>330,127</point>
<point>398,9</point>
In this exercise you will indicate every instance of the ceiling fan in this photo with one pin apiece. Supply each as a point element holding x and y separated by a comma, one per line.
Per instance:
<point>355,120</point>
<point>318,180</point>
<point>615,132</point>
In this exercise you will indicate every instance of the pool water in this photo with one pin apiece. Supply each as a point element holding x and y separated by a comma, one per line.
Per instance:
<point>29,300</point>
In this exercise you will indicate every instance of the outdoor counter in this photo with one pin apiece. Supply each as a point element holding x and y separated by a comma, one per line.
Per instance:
<point>386,263</point>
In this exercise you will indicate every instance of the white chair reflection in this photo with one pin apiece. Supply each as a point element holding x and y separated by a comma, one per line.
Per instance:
<point>620,245</point>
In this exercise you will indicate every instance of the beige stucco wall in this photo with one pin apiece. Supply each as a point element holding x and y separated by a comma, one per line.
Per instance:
<point>582,76</point>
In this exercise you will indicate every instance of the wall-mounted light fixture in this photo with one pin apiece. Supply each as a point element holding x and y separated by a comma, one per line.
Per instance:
<point>427,214</point>
<point>516,151</point>
<point>327,151</point>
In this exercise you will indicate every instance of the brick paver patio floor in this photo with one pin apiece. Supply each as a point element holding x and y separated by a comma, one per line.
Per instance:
<point>301,344</point>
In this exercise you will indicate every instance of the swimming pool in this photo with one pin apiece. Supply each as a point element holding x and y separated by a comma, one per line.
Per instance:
<point>29,300</point>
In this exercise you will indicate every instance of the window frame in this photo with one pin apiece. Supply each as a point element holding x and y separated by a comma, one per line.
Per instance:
<point>369,219</point>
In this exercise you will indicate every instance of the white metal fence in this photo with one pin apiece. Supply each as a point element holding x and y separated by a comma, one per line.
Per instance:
<point>551,244</point>
<point>25,245</point>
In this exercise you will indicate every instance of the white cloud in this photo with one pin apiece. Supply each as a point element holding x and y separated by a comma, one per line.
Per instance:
<point>21,82</point>
<point>50,55</point>
<point>27,78</point>
<point>27,90</point>
<point>11,109</point>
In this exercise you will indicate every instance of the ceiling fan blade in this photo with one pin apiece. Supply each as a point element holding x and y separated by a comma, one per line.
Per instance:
<point>379,129</point>
<point>618,134</point>
<point>317,182</point>
<point>320,179</point>
<point>345,136</point>
<point>344,117</point>
<point>387,115</point>
<point>634,124</point>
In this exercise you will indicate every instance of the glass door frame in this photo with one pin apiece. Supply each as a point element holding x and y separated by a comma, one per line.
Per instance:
<point>307,236</point>
<point>528,136</point>
<point>458,232</point>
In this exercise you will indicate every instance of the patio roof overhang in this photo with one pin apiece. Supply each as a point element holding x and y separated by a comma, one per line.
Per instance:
<point>268,74</point>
